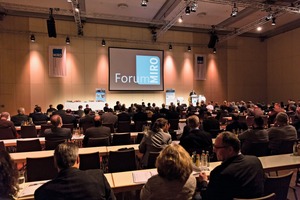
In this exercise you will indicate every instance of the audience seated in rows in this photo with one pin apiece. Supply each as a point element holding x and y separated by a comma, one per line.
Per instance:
<point>109,117</point>
<point>69,118</point>
<point>235,125</point>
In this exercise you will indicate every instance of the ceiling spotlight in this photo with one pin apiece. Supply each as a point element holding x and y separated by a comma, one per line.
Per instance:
<point>68,40</point>
<point>180,19</point>
<point>259,28</point>
<point>103,43</point>
<point>269,17</point>
<point>194,6</point>
<point>189,48</point>
<point>215,50</point>
<point>187,10</point>
<point>144,3</point>
<point>32,38</point>
<point>273,21</point>
<point>234,11</point>
<point>170,47</point>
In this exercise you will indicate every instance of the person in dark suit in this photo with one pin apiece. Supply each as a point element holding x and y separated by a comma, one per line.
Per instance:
<point>123,116</point>
<point>96,132</point>
<point>86,121</point>
<point>238,176</point>
<point>20,117</point>
<point>196,140</point>
<point>37,116</point>
<point>72,183</point>
<point>139,115</point>
<point>5,123</point>
<point>60,110</point>
<point>69,118</point>
<point>57,132</point>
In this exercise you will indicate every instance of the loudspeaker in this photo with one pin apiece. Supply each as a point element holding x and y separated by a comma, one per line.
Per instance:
<point>213,40</point>
<point>51,27</point>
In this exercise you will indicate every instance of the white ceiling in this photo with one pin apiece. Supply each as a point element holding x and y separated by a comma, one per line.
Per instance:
<point>164,14</point>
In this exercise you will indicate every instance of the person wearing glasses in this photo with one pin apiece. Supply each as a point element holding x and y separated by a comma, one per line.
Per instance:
<point>238,176</point>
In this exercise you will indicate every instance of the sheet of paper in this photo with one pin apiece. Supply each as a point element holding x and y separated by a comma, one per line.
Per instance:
<point>142,176</point>
<point>30,188</point>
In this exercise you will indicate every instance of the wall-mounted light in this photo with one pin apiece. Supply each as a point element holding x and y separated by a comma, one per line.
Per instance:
<point>187,10</point>
<point>189,48</point>
<point>103,43</point>
<point>234,11</point>
<point>180,19</point>
<point>273,21</point>
<point>215,50</point>
<point>144,3</point>
<point>32,38</point>
<point>68,40</point>
<point>170,47</point>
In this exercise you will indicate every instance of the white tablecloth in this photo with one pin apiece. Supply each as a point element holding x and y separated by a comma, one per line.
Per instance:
<point>93,105</point>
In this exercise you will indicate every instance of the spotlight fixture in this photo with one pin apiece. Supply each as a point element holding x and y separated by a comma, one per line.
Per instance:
<point>144,3</point>
<point>273,21</point>
<point>215,50</point>
<point>269,17</point>
<point>68,40</point>
<point>234,11</point>
<point>103,43</point>
<point>194,6</point>
<point>189,48</point>
<point>170,47</point>
<point>32,38</point>
<point>187,10</point>
<point>180,19</point>
<point>77,8</point>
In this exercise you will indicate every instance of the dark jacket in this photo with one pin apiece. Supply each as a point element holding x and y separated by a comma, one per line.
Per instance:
<point>58,134</point>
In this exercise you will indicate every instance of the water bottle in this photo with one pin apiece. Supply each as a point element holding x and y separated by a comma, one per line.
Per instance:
<point>207,159</point>
<point>295,148</point>
<point>203,159</point>
<point>197,160</point>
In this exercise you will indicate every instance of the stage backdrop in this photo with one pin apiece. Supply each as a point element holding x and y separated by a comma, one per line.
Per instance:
<point>57,61</point>
<point>200,67</point>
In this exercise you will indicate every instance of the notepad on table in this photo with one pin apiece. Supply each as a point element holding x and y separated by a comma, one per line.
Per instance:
<point>143,176</point>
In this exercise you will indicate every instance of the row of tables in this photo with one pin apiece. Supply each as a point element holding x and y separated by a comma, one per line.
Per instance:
<point>124,181</point>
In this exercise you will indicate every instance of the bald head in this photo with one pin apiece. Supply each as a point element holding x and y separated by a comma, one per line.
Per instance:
<point>56,121</point>
<point>5,115</point>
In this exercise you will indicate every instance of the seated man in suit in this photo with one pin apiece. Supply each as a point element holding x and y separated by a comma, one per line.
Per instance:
<point>20,117</point>
<point>57,132</point>
<point>238,176</point>
<point>96,132</point>
<point>72,183</point>
<point>197,139</point>
<point>5,123</point>
<point>38,117</point>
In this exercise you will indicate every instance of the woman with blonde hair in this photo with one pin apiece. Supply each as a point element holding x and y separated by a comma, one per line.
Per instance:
<point>174,179</point>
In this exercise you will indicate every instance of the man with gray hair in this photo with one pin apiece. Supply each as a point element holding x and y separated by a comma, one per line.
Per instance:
<point>72,183</point>
<point>281,131</point>
<point>20,118</point>
<point>6,123</point>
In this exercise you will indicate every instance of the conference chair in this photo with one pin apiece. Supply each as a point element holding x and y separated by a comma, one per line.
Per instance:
<point>139,125</point>
<point>121,138</point>
<point>122,160</point>
<point>96,142</point>
<point>89,161</point>
<point>173,124</point>
<point>38,169</point>
<point>6,133</point>
<point>242,119</point>
<point>139,138</point>
<point>279,185</point>
<point>268,197</point>
<point>284,147</point>
<point>152,159</point>
<point>123,126</point>
<point>52,144</point>
<point>70,126</point>
<point>250,121</point>
<point>111,126</point>
<point>28,131</point>
<point>256,149</point>
<point>43,128</point>
<point>2,146</point>
<point>28,145</point>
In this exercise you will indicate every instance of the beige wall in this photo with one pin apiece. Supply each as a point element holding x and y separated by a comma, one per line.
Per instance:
<point>237,71</point>
<point>283,69</point>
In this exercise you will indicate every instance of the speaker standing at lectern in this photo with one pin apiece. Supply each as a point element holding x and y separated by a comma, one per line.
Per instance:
<point>192,93</point>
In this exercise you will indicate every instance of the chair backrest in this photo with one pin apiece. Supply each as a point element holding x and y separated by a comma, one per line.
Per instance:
<point>38,169</point>
<point>138,125</point>
<point>43,128</point>
<point>86,126</point>
<point>139,138</point>
<point>6,133</point>
<point>96,142</point>
<point>111,126</point>
<point>284,147</point>
<point>122,160</point>
<point>214,132</point>
<point>278,185</point>
<point>52,144</point>
<point>2,146</point>
<point>121,139</point>
<point>173,124</point>
<point>28,145</point>
<point>268,197</point>
<point>89,161</point>
<point>242,118</point>
<point>123,126</point>
<point>256,149</point>
<point>152,159</point>
<point>70,126</point>
<point>28,132</point>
